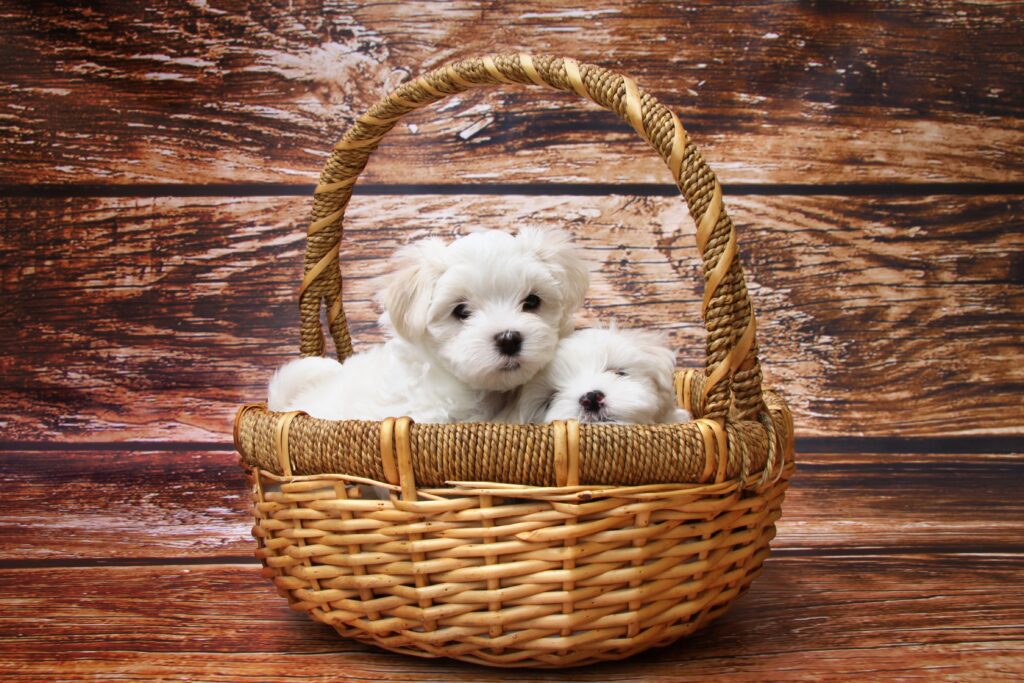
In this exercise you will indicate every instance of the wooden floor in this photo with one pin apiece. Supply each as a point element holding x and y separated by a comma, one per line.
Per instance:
<point>157,168</point>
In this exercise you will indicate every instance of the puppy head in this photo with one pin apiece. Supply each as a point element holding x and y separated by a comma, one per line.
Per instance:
<point>489,306</point>
<point>606,375</point>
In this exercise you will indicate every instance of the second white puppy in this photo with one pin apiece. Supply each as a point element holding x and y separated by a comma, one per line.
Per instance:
<point>473,319</point>
<point>603,375</point>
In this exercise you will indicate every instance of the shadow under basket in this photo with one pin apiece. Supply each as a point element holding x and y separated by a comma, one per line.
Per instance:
<point>549,545</point>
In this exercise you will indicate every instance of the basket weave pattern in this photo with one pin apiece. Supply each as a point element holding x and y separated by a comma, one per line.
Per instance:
<point>524,545</point>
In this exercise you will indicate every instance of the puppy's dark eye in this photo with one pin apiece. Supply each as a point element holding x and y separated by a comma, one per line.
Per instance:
<point>531,303</point>
<point>621,373</point>
<point>461,312</point>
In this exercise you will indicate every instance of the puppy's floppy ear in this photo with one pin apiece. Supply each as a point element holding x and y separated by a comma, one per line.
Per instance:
<point>405,293</point>
<point>555,248</point>
<point>660,359</point>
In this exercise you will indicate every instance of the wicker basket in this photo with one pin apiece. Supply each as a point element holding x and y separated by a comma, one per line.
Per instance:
<point>524,545</point>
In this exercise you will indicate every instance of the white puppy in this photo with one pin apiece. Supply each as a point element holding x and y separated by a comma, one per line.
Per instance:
<point>473,319</point>
<point>603,375</point>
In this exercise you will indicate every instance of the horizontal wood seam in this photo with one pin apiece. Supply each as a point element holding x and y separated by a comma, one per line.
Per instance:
<point>64,190</point>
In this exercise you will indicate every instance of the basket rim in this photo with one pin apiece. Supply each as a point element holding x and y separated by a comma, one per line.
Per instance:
<point>560,454</point>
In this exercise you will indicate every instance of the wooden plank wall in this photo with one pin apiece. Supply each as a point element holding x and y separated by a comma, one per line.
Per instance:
<point>158,160</point>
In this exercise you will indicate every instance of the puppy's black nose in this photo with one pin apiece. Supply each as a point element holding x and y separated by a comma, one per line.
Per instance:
<point>509,342</point>
<point>592,401</point>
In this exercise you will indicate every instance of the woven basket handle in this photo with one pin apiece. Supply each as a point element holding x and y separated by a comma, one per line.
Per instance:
<point>732,367</point>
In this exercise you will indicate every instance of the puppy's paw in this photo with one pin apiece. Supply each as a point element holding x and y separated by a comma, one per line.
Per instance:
<point>679,415</point>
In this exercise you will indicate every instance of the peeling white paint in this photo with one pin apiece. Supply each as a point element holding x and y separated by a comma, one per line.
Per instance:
<point>167,76</point>
<point>569,14</point>
<point>476,127</point>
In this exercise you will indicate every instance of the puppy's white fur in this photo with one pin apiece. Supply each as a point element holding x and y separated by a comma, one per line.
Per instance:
<point>632,369</point>
<point>440,367</point>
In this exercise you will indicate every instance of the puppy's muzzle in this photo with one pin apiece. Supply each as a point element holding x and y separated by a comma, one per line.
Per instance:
<point>592,401</point>
<point>509,342</point>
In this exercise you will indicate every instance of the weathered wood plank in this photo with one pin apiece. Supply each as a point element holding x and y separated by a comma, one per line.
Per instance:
<point>773,92</point>
<point>112,505</point>
<point>154,319</point>
<point>948,616</point>
<point>118,504</point>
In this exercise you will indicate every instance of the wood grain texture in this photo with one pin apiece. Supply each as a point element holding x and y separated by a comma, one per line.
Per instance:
<point>955,617</point>
<point>154,319</point>
<point>225,91</point>
<point>126,506</point>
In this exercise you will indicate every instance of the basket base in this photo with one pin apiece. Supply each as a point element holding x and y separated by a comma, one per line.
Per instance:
<point>536,577</point>
<point>573,658</point>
